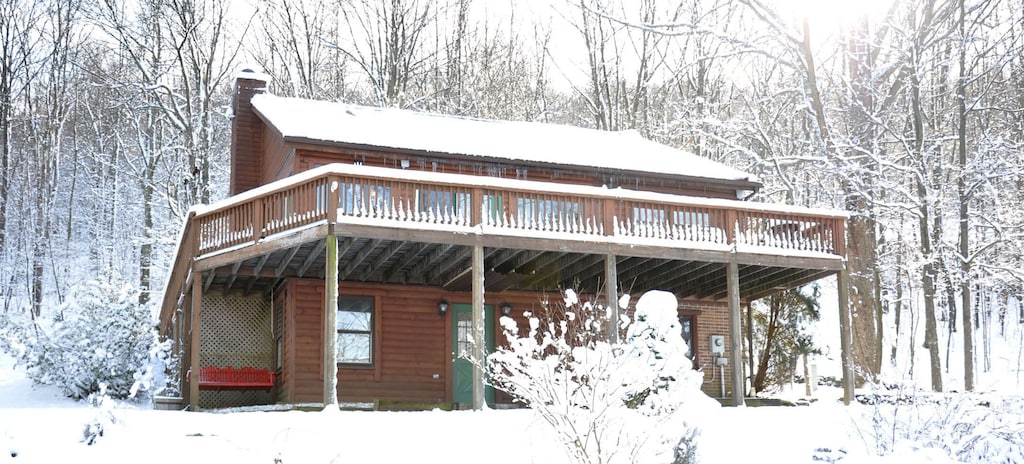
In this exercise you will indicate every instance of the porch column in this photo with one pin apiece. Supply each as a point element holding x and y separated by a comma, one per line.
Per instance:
<point>195,324</point>
<point>479,343</point>
<point>611,290</point>
<point>845,333</point>
<point>330,354</point>
<point>735,332</point>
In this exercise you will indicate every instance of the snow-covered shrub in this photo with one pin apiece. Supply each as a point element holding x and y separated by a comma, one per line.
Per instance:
<point>655,342</point>
<point>963,427</point>
<point>100,338</point>
<point>623,402</point>
<point>104,417</point>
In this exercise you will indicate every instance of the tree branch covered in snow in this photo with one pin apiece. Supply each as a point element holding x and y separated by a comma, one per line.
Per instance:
<point>100,340</point>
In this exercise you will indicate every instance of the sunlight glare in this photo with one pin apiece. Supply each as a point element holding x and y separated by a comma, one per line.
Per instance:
<point>834,14</point>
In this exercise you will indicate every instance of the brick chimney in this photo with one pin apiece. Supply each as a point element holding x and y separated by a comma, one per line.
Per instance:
<point>246,134</point>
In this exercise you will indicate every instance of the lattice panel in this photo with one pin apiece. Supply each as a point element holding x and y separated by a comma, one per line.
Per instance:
<point>219,399</point>
<point>236,331</point>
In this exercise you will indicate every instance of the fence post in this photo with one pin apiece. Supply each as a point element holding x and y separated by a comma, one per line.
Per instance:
<point>257,219</point>
<point>731,223</point>
<point>333,191</point>
<point>839,236</point>
<point>477,207</point>
<point>609,216</point>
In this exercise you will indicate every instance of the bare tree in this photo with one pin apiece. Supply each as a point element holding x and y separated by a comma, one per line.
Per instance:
<point>17,53</point>
<point>848,156</point>
<point>297,46</point>
<point>385,42</point>
<point>623,55</point>
<point>48,112</point>
<point>204,54</point>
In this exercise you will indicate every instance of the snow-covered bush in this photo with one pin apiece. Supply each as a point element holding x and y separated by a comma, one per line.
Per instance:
<point>103,408</point>
<point>655,341</point>
<point>623,402</point>
<point>100,339</point>
<point>966,428</point>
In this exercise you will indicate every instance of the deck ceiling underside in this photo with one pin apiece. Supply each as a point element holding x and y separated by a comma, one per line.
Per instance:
<point>449,266</point>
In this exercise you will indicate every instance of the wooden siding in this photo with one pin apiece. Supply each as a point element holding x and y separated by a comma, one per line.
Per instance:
<point>284,372</point>
<point>309,158</point>
<point>306,343</point>
<point>246,138</point>
<point>278,157</point>
<point>414,341</point>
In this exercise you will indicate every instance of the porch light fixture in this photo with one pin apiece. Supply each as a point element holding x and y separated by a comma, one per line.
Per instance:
<point>442,307</point>
<point>506,309</point>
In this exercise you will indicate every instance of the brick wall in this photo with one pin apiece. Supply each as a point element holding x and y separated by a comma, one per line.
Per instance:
<point>710,318</point>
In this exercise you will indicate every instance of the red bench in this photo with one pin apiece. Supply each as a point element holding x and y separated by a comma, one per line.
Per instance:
<point>230,378</point>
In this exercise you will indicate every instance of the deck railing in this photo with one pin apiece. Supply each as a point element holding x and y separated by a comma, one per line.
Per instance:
<point>395,197</point>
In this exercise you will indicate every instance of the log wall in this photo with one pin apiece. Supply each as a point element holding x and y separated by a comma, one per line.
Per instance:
<point>310,158</point>
<point>413,349</point>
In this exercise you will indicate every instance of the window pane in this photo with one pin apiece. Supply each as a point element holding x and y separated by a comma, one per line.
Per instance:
<point>648,215</point>
<point>443,203</point>
<point>354,348</point>
<point>464,325</point>
<point>354,324</point>
<point>687,332</point>
<point>361,198</point>
<point>554,213</point>
<point>354,321</point>
<point>692,218</point>
<point>355,303</point>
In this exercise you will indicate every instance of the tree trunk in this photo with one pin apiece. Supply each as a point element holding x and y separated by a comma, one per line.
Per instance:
<point>861,240</point>
<point>961,187</point>
<point>807,377</point>
<point>750,343</point>
<point>931,338</point>
<point>761,378</point>
<point>865,309</point>
<point>897,306</point>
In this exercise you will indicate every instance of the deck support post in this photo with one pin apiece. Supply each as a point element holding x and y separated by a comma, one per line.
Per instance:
<point>735,332</point>
<point>330,317</point>
<point>611,291</point>
<point>195,330</point>
<point>845,332</point>
<point>478,318</point>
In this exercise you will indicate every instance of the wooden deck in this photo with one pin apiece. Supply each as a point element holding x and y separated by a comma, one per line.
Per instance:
<point>398,226</point>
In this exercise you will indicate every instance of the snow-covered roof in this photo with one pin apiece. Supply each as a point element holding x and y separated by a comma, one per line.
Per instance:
<point>534,142</point>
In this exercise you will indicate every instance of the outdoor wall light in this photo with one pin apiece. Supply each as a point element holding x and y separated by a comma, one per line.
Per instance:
<point>442,307</point>
<point>506,309</point>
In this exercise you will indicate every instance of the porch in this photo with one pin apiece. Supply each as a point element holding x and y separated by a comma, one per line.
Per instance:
<point>463,234</point>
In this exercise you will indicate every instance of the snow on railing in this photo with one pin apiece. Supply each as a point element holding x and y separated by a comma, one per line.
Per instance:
<point>401,197</point>
<point>278,210</point>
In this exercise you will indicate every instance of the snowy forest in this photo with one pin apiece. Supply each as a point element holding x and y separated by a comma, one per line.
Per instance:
<point>115,119</point>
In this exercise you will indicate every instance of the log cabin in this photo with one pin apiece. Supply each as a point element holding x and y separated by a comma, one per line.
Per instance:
<point>362,250</point>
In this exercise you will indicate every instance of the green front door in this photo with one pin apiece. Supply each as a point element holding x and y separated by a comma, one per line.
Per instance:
<point>462,347</point>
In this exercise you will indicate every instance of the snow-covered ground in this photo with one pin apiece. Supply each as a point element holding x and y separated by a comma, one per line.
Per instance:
<point>36,425</point>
